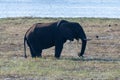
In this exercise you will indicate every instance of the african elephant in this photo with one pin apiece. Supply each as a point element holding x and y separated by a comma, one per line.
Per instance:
<point>45,35</point>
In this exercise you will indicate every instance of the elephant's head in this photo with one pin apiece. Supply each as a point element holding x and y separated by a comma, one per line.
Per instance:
<point>73,30</point>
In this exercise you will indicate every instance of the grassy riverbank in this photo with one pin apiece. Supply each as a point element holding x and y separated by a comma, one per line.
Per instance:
<point>102,56</point>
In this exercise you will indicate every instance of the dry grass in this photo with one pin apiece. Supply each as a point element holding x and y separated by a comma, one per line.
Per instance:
<point>102,57</point>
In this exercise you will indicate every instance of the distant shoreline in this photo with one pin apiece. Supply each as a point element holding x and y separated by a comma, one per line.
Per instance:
<point>29,17</point>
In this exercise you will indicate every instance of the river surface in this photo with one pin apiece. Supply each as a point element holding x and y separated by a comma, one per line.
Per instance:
<point>60,8</point>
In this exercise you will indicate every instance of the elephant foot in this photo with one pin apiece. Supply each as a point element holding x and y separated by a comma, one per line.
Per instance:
<point>37,59</point>
<point>57,57</point>
<point>25,56</point>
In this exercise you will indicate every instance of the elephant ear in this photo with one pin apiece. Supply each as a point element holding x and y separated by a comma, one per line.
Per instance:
<point>66,32</point>
<point>61,22</point>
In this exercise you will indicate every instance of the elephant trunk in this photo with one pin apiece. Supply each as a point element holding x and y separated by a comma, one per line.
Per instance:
<point>84,42</point>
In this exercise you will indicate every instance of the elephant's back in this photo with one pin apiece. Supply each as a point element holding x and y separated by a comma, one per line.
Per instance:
<point>42,30</point>
<point>42,25</point>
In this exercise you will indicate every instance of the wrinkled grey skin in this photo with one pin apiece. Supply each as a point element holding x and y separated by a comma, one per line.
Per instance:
<point>45,35</point>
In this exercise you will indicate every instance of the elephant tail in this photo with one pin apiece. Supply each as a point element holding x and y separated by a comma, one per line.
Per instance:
<point>25,47</point>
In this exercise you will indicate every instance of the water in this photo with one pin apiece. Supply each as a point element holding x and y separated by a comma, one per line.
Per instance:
<point>60,8</point>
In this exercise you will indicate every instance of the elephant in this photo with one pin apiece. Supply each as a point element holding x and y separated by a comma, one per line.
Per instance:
<point>45,35</point>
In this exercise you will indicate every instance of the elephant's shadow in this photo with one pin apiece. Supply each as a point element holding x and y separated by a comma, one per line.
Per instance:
<point>94,59</point>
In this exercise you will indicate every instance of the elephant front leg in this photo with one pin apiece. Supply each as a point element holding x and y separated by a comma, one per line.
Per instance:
<point>58,50</point>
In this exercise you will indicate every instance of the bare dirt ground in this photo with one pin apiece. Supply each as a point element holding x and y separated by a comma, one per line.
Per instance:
<point>102,56</point>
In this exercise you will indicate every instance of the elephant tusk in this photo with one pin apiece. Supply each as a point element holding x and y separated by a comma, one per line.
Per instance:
<point>88,39</point>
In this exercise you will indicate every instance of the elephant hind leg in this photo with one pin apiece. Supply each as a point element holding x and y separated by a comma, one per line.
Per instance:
<point>35,50</point>
<point>38,53</point>
<point>33,54</point>
<point>31,49</point>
